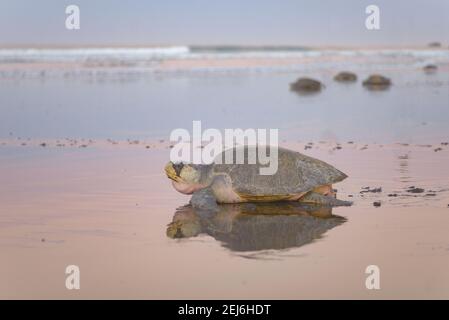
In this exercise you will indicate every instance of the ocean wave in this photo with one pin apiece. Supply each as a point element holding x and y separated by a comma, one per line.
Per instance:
<point>86,54</point>
<point>133,56</point>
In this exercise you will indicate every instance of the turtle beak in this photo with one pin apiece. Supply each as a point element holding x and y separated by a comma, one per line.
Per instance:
<point>171,172</point>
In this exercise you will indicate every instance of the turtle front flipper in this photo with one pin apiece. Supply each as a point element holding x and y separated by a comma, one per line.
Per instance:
<point>204,200</point>
<point>322,200</point>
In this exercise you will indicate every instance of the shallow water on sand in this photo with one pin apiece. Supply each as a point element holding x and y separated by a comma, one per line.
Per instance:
<point>106,209</point>
<point>414,109</point>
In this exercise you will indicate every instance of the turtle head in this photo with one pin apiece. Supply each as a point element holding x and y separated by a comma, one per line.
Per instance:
<point>186,178</point>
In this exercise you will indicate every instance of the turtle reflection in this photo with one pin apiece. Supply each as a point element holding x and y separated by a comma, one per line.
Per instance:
<point>252,227</point>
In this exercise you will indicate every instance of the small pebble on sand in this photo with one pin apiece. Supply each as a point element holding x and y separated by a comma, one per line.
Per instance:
<point>377,204</point>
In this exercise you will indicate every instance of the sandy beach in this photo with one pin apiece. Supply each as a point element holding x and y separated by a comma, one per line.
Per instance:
<point>84,138</point>
<point>106,208</point>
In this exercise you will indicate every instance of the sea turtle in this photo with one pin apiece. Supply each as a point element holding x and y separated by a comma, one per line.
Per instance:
<point>345,77</point>
<point>298,178</point>
<point>377,82</point>
<point>306,85</point>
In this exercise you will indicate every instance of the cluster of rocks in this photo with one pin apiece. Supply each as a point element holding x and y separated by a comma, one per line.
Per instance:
<point>309,85</point>
<point>374,82</point>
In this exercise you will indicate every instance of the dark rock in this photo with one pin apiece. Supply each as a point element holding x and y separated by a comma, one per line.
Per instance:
<point>393,195</point>
<point>375,190</point>
<point>306,85</point>
<point>377,82</point>
<point>346,77</point>
<point>430,68</point>
<point>434,44</point>
<point>415,190</point>
<point>437,149</point>
<point>377,204</point>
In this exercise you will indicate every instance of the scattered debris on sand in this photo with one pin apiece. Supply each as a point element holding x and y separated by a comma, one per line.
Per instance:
<point>392,194</point>
<point>413,189</point>
<point>369,190</point>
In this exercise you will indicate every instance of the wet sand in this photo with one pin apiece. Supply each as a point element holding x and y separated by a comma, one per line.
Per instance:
<point>106,207</point>
<point>82,151</point>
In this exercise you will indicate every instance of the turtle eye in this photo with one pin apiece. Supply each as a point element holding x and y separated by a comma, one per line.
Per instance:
<point>178,167</point>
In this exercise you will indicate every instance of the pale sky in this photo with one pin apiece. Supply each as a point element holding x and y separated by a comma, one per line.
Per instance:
<point>248,22</point>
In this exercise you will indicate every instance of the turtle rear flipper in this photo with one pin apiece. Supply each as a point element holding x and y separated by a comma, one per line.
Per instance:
<point>319,199</point>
